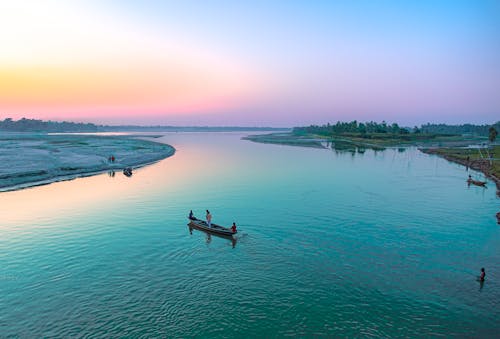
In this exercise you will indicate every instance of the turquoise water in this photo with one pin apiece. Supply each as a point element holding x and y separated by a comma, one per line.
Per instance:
<point>329,244</point>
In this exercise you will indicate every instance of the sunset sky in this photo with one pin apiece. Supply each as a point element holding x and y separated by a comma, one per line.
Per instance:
<point>257,63</point>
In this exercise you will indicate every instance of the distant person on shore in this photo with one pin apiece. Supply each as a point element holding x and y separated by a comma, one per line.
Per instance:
<point>482,276</point>
<point>191,215</point>
<point>233,228</point>
<point>209,219</point>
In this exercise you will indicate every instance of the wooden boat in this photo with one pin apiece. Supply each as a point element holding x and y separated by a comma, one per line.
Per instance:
<point>215,229</point>
<point>476,182</point>
<point>127,171</point>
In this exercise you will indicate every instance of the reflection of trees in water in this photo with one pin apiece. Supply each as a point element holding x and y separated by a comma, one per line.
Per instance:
<point>344,146</point>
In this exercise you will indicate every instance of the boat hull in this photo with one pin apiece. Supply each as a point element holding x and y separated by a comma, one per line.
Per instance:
<point>215,229</point>
<point>477,183</point>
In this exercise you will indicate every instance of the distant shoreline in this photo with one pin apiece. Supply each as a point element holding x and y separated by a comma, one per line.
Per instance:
<point>29,160</point>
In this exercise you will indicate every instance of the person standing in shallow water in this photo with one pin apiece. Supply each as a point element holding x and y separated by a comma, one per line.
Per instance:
<point>209,219</point>
<point>482,276</point>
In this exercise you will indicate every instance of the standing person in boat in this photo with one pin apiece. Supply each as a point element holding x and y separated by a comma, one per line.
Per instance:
<point>191,215</point>
<point>233,228</point>
<point>209,219</point>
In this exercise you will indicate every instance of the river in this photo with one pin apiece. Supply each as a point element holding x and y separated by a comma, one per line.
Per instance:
<point>345,244</point>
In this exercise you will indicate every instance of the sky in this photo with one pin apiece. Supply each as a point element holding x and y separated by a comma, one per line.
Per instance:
<point>279,63</point>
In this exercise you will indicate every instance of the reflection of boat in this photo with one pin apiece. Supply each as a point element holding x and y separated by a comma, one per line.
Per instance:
<point>209,235</point>
<point>476,182</point>
<point>215,229</point>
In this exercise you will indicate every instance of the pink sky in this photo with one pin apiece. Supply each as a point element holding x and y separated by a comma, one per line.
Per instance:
<point>248,65</point>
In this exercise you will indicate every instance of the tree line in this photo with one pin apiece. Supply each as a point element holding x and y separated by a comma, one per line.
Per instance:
<point>34,125</point>
<point>482,130</point>
<point>364,128</point>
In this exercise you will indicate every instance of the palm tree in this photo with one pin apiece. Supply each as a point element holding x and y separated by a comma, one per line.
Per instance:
<point>492,136</point>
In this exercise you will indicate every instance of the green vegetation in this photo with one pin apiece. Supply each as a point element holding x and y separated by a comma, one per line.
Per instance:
<point>482,130</point>
<point>353,127</point>
<point>371,135</point>
<point>33,125</point>
<point>384,134</point>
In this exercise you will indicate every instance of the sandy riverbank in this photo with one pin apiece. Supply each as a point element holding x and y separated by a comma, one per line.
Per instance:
<point>30,159</point>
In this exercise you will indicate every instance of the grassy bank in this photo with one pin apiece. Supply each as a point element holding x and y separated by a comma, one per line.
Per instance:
<point>288,139</point>
<point>377,141</point>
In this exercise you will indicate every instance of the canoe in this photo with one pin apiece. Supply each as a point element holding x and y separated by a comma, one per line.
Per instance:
<point>476,182</point>
<point>216,229</point>
<point>127,171</point>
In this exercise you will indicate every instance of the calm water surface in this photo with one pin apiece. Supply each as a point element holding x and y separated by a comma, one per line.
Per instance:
<point>330,244</point>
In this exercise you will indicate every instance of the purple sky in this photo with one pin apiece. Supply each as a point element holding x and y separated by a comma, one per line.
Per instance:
<point>280,63</point>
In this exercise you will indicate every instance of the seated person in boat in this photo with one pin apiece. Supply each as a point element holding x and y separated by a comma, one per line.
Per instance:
<point>191,215</point>
<point>233,228</point>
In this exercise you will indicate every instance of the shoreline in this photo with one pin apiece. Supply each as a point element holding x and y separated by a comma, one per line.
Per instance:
<point>70,177</point>
<point>477,165</point>
<point>32,160</point>
<point>450,148</point>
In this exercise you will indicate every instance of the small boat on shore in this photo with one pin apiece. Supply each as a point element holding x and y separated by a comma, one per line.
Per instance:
<point>127,171</point>
<point>476,182</point>
<point>214,228</point>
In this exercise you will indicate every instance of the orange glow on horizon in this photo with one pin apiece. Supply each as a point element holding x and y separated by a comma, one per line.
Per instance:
<point>92,89</point>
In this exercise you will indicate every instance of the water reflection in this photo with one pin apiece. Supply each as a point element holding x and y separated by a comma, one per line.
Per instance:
<point>209,236</point>
<point>341,146</point>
